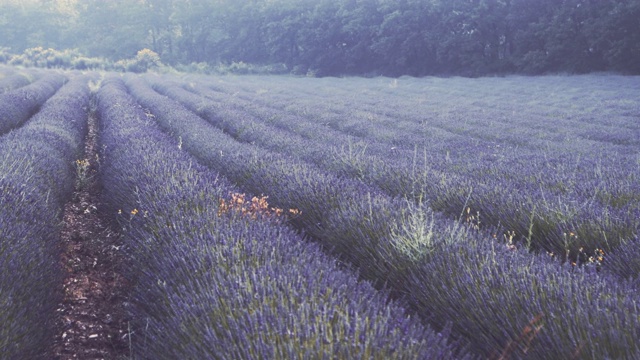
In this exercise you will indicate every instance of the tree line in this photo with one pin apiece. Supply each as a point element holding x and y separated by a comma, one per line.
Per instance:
<point>343,37</point>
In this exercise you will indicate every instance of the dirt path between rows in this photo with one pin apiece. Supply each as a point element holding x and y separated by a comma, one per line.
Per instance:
<point>92,319</point>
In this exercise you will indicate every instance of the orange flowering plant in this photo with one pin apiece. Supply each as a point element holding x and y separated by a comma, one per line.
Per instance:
<point>257,207</point>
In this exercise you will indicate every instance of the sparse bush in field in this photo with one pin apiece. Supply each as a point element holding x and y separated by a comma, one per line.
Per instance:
<point>299,70</point>
<point>196,68</point>
<point>144,60</point>
<point>46,58</point>
<point>415,235</point>
<point>351,157</point>
<point>60,59</point>
<point>89,63</point>
<point>239,68</point>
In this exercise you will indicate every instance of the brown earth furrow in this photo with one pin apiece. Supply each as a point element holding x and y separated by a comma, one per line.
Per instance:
<point>92,319</point>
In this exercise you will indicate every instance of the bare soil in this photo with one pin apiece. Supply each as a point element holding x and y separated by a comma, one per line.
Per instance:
<point>92,319</point>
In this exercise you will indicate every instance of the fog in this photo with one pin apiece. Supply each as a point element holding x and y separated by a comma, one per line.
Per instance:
<point>326,37</point>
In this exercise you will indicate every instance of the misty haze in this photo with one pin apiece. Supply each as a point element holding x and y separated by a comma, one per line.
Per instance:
<point>329,179</point>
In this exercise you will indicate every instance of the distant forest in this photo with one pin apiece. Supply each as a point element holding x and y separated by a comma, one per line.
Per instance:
<point>341,37</point>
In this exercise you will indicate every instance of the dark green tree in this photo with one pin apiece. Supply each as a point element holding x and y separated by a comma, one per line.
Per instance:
<point>115,29</point>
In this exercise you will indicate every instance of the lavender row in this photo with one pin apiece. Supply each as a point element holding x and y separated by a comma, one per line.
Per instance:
<point>7,70</point>
<point>18,105</point>
<point>624,261</point>
<point>603,213</point>
<point>331,150</point>
<point>431,103</point>
<point>327,201</point>
<point>436,107</point>
<point>234,119</point>
<point>36,179</point>
<point>550,222</point>
<point>456,104</point>
<point>426,258</point>
<point>490,135</point>
<point>12,82</point>
<point>596,204</point>
<point>607,174</point>
<point>514,306</point>
<point>217,285</point>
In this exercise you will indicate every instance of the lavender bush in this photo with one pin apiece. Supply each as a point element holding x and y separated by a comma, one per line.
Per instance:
<point>552,181</point>
<point>18,105</point>
<point>358,223</point>
<point>36,179</point>
<point>624,261</point>
<point>510,303</point>
<point>338,211</point>
<point>212,285</point>
<point>377,168</point>
<point>12,82</point>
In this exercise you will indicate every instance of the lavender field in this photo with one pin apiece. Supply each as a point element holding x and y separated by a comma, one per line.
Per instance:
<point>285,217</point>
